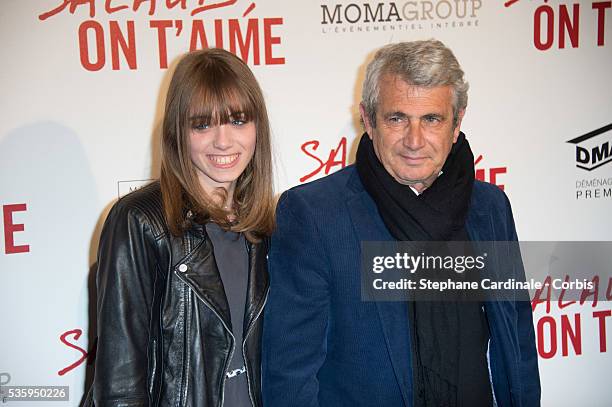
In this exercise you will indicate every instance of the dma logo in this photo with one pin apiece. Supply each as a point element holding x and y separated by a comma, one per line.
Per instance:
<point>594,149</point>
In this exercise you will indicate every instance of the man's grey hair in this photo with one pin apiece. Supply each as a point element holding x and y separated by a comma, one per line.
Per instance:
<point>425,64</point>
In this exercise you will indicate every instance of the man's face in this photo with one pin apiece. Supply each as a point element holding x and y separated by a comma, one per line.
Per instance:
<point>414,130</point>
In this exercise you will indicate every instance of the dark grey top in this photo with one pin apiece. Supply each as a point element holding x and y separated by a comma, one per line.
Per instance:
<point>233,263</point>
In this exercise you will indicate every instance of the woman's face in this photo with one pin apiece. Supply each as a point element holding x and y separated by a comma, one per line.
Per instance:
<point>221,153</point>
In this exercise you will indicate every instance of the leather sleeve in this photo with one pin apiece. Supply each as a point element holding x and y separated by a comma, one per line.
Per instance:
<point>296,315</point>
<point>125,285</point>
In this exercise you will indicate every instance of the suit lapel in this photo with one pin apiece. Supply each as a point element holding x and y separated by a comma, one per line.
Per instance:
<point>393,315</point>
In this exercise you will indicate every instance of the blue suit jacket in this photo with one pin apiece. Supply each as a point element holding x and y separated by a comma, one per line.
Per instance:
<point>324,346</point>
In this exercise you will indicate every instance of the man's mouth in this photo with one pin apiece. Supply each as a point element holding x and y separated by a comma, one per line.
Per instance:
<point>413,159</point>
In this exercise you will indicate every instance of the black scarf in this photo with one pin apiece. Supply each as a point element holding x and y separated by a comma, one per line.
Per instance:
<point>449,339</point>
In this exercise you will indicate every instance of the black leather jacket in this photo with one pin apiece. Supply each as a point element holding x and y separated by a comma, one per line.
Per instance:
<point>164,327</point>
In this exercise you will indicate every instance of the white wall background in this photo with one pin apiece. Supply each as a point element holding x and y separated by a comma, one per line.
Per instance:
<point>69,137</point>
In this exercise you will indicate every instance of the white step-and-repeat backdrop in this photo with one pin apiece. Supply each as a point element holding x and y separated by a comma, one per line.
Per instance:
<point>82,93</point>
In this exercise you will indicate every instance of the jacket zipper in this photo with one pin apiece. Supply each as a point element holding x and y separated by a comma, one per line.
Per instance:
<point>244,343</point>
<point>226,328</point>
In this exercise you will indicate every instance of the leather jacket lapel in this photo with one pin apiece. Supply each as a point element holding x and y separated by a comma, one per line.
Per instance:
<point>258,283</point>
<point>203,277</point>
<point>198,269</point>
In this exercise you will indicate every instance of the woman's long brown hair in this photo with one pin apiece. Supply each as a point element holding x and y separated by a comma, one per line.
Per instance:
<point>215,85</point>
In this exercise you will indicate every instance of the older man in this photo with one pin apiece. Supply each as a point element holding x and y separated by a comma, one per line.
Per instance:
<point>413,180</point>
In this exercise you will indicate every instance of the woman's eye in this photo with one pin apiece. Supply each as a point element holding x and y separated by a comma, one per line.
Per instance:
<point>201,126</point>
<point>238,122</point>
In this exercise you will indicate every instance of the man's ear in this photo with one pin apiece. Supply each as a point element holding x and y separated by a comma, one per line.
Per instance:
<point>365,119</point>
<point>457,128</point>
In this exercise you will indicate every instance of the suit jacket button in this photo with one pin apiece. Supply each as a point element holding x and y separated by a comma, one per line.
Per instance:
<point>183,268</point>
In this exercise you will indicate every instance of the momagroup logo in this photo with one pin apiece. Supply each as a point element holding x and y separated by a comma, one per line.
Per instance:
<point>351,17</point>
<point>593,150</point>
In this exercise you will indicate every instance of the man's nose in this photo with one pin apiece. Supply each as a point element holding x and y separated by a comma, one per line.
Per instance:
<point>222,138</point>
<point>414,138</point>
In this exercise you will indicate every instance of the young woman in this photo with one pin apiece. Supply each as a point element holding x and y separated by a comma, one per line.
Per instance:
<point>182,277</point>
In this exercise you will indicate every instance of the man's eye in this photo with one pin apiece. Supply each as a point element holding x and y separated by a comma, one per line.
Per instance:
<point>395,119</point>
<point>432,119</point>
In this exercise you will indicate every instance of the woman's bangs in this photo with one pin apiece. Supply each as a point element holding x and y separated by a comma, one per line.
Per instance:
<point>217,101</point>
